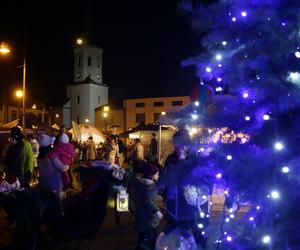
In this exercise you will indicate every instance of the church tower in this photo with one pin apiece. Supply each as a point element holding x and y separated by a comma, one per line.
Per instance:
<point>87,91</point>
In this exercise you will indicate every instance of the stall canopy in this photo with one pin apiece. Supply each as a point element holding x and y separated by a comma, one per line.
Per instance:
<point>81,132</point>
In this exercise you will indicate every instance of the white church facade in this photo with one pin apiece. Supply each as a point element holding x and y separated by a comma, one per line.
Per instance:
<point>87,91</point>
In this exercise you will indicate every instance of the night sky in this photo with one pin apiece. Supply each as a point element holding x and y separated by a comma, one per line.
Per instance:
<point>144,43</point>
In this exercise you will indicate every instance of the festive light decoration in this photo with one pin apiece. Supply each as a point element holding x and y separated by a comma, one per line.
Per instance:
<point>275,195</point>
<point>243,13</point>
<point>278,146</point>
<point>229,157</point>
<point>219,57</point>
<point>208,69</point>
<point>285,169</point>
<point>266,117</point>
<point>247,118</point>
<point>266,239</point>
<point>297,54</point>
<point>224,43</point>
<point>196,103</point>
<point>245,94</point>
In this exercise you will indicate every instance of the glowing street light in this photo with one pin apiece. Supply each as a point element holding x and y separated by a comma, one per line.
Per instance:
<point>4,49</point>
<point>19,95</point>
<point>106,108</point>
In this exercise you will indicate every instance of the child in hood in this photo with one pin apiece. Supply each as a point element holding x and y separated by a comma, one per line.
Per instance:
<point>65,152</point>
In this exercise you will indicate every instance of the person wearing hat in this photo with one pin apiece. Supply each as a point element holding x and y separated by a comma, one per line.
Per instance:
<point>147,214</point>
<point>19,157</point>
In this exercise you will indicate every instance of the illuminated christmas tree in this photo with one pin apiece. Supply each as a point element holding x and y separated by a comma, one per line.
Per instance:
<point>245,112</point>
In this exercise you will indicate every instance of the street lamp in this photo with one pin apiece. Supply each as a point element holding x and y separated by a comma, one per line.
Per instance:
<point>19,95</point>
<point>4,49</point>
<point>105,115</point>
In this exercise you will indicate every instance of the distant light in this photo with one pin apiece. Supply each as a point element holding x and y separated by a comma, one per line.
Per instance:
<point>202,215</point>
<point>275,195</point>
<point>218,89</point>
<point>19,93</point>
<point>79,41</point>
<point>229,238</point>
<point>266,117</point>
<point>220,65</point>
<point>244,140</point>
<point>4,49</point>
<point>243,13</point>
<point>285,169</point>
<point>201,149</point>
<point>278,146</point>
<point>266,239</point>
<point>87,120</point>
<point>218,57</point>
<point>33,106</point>
<point>257,207</point>
<point>226,192</point>
<point>194,116</point>
<point>224,43</point>
<point>227,219</point>
<point>203,232</point>
<point>105,115</point>
<point>196,103</point>
<point>229,157</point>
<point>219,175</point>
<point>200,225</point>
<point>297,54</point>
<point>163,113</point>
<point>245,94</point>
<point>283,23</point>
<point>106,108</point>
<point>251,218</point>
<point>57,115</point>
<point>219,79</point>
<point>208,69</point>
<point>231,216</point>
<point>247,118</point>
<point>233,19</point>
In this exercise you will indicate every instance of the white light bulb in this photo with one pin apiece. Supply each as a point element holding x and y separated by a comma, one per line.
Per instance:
<point>247,118</point>
<point>245,95</point>
<point>219,89</point>
<point>220,65</point>
<point>275,195</point>
<point>231,216</point>
<point>229,157</point>
<point>243,13</point>
<point>208,69</point>
<point>229,238</point>
<point>266,117</point>
<point>266,239</point>
<point>297,54</point>
<point>257,207</point>
<point>200,225</point>
<point>227,219</point>
<point>251,218</point>
<point>219,79</point>
<point>194,116</point>
<point>218,57</point>
<point>196,103</point>
<point>278,146</point>
<point>233,19</point>
<point>224,43</point>
<point>285,169</point>
<point>219,175</point>
<point>202,215</point>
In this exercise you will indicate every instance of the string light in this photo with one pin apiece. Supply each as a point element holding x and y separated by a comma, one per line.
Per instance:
<point>208,69</point>
<point>266,117</point>
<point>275,195</point>
<point>219,57</point>
<point>224,43</point>
<point>196,103</point>
<point>245,94</point>
<point>233,19</point>
<point>266,239</point>
<point>247,118</point>
<point>278,146</point>
<point>229,157</point>
<point>285,169</point>
<point>297,54</point>
<point>243,13</point>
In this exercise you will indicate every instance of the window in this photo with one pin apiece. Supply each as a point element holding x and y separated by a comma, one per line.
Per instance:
<point>13,115</point>
<point>158,104</point>
<point>98,61</point>
<point>99,99</point>
<point>89,61</point>
<point>156,117</point>
<point>140,117</point>
<point>78,119</point>
<point>140,105</point>
<point>177,103</point>
<point>78,59</point>
<point>78,99</point>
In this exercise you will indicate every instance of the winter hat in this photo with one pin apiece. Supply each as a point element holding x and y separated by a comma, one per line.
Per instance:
<point>16,133</point>
<point>44,140</point>
<point>64,138</point>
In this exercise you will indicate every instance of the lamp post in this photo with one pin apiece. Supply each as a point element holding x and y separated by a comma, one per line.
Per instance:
<point>105,115</point>
<point>19,95</point>
<point>4,49</point>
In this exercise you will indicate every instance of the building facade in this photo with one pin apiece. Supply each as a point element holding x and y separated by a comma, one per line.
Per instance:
<point>148,110</point>
<point>88,91</point>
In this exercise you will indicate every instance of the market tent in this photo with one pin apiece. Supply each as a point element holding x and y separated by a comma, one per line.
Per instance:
<point>81,132</point>
<point>9,125</point>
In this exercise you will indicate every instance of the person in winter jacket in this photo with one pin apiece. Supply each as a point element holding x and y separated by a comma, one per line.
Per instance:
<point>147,214</point>
<point>19,158</point>
<point>91,149</point>
<point>50,170</point>
<point>65,152</point>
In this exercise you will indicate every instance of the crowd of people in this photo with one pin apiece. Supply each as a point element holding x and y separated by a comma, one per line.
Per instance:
<point>49,160</point>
